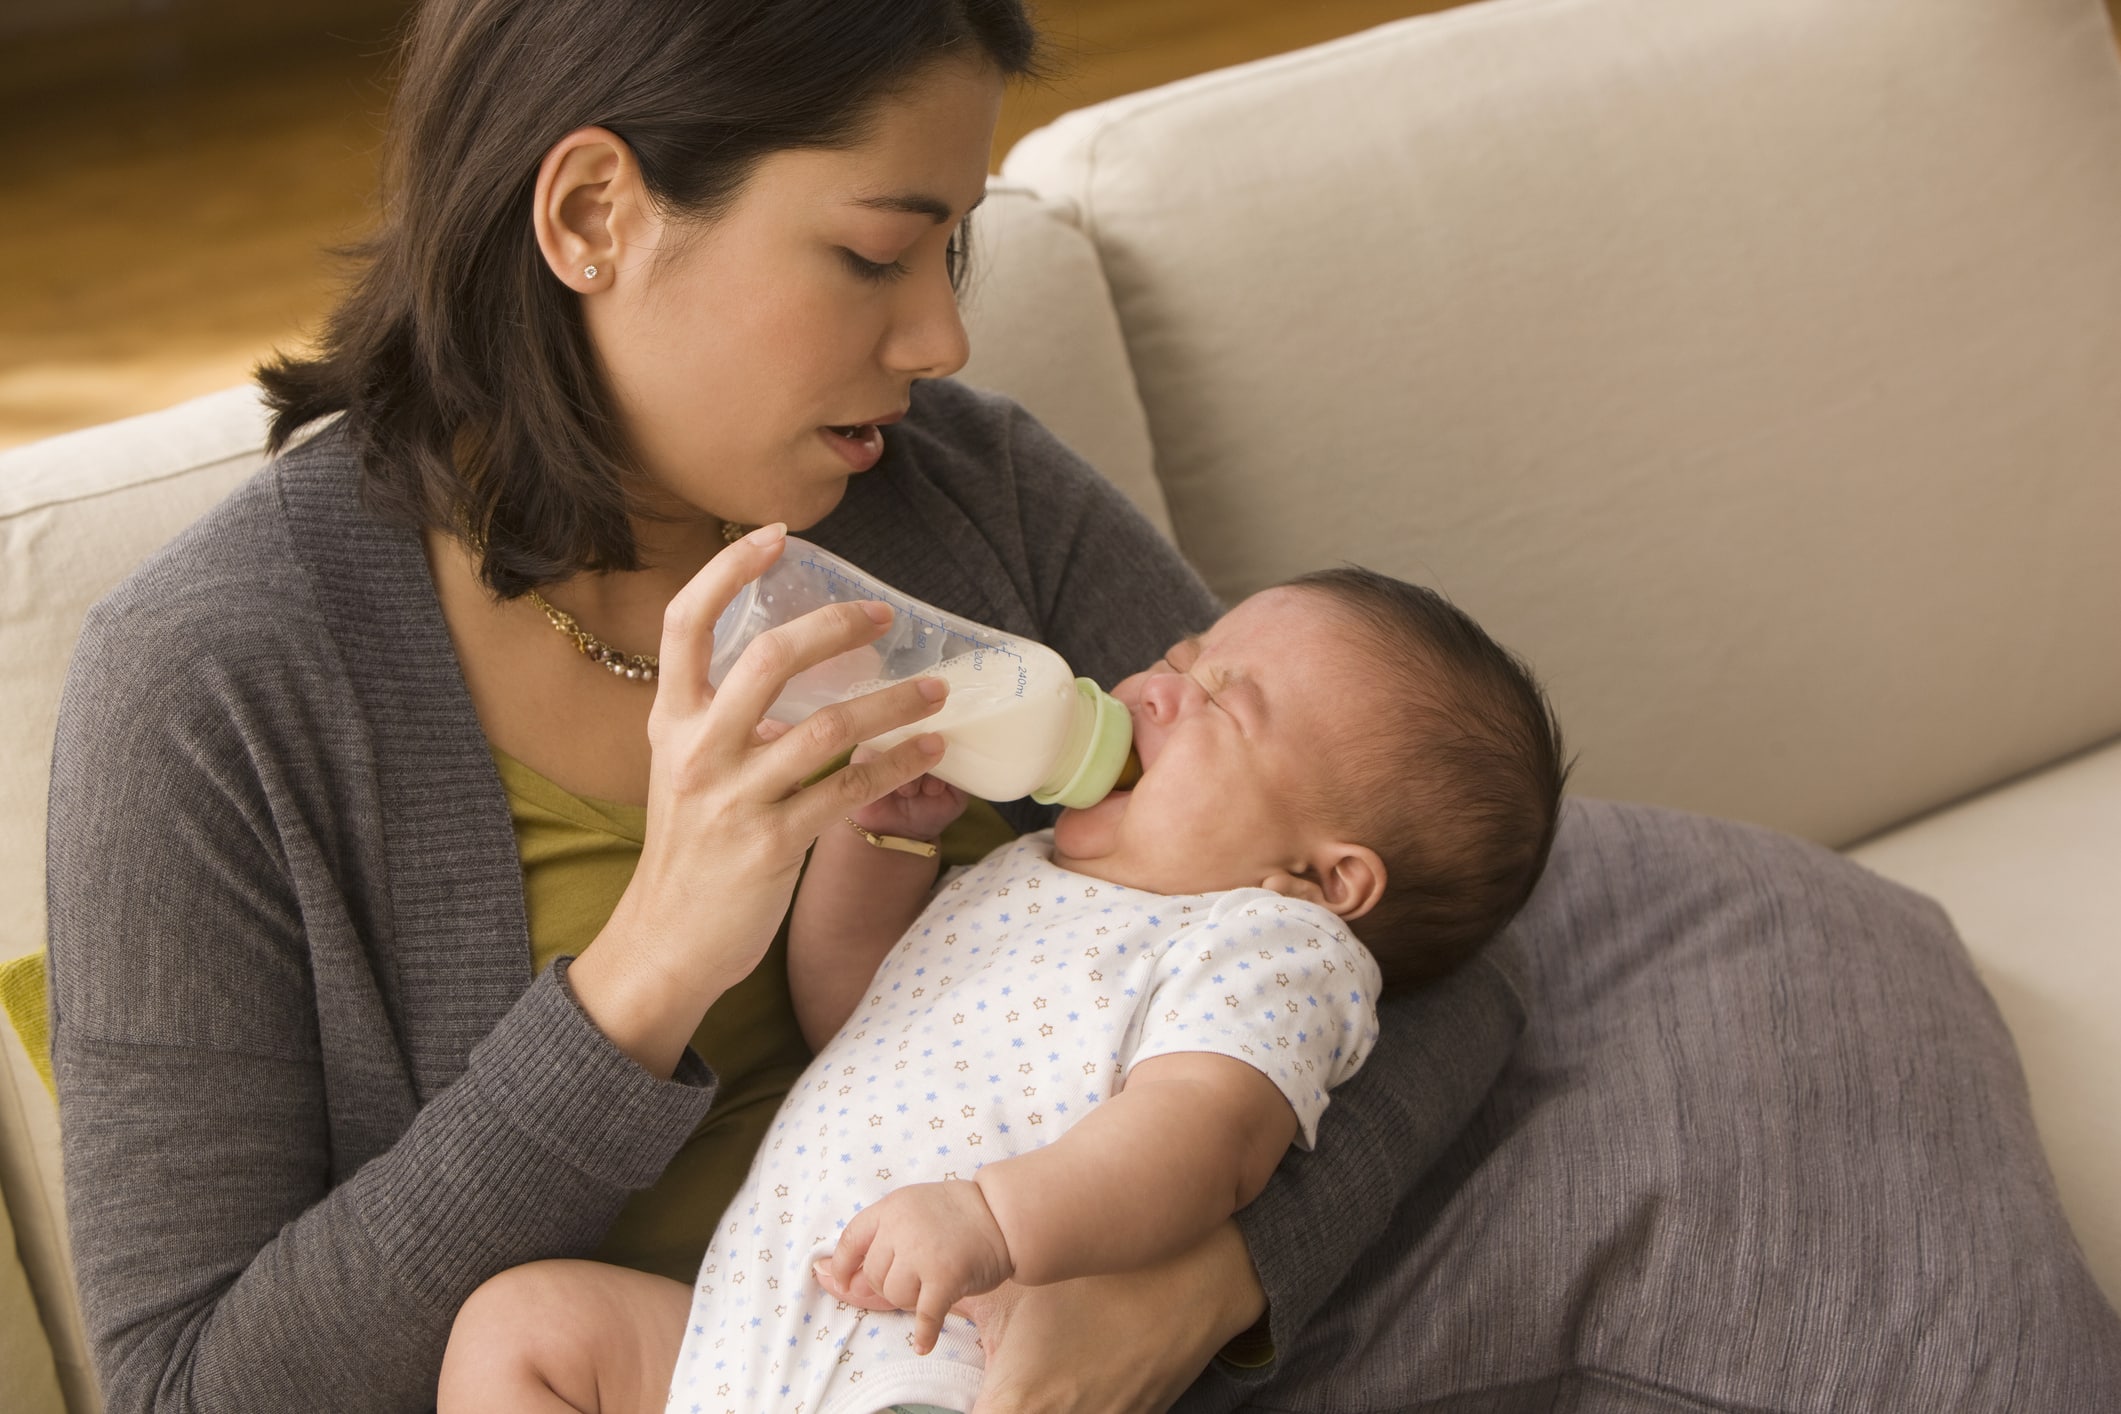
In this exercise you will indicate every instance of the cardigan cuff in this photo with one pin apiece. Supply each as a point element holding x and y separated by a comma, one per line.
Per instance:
<point>553,1075</point>
<point>1296,1234</point>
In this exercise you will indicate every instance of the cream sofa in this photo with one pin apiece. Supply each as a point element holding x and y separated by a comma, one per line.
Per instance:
<point>1752,367</point>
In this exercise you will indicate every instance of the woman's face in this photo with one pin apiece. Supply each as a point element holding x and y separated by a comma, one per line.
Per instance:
<point>734,347</point>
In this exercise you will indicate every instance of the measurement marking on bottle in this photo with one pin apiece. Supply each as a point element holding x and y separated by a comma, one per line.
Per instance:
<point>868,591</point>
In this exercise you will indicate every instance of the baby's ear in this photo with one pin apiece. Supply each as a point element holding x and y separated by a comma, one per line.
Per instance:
<point>1290,886</point>
<point>1351,878</point>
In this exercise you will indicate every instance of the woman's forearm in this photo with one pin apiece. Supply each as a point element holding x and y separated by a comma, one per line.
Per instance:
<point>646,1011</point>
<point>221,1271</point>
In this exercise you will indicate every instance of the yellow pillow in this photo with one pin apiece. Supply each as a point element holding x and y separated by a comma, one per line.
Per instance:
<point>22,998</point>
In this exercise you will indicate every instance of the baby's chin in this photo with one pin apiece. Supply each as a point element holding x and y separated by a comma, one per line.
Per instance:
<point>1087,841</point>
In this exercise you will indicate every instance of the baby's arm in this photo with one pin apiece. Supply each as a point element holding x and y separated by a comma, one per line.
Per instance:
<point>856,898</point>
<point>1190,1139</point>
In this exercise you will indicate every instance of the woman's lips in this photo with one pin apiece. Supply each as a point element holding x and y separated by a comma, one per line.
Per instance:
<point>860,451</point>
<point>860,443</point>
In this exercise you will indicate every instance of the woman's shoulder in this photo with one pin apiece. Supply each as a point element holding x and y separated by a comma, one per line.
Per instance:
<point>227,585</point>
<point>970,441</point>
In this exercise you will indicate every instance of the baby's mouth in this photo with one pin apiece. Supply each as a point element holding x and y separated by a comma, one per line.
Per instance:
<point>1129,773</point>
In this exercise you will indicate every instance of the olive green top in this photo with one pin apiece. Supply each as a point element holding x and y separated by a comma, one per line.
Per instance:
<point>578,855</point>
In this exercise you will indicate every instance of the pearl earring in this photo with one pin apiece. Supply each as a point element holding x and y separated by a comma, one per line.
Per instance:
<point>589,272</point>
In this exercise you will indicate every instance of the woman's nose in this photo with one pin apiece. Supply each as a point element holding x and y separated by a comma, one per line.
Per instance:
<point>928,340</point>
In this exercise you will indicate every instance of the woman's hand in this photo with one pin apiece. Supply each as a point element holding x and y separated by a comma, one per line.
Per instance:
<point>1133,1341</point>
<point>729,819</point>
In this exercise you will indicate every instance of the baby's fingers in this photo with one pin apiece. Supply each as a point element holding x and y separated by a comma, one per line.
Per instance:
<point>847,790</point>
<point>845,1263</point>
<point>935,1302</point>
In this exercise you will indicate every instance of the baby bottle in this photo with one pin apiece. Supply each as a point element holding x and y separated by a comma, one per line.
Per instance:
<point>1017,721</point>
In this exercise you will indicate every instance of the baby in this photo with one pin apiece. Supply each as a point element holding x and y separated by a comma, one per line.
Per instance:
<point>1083,1053</point>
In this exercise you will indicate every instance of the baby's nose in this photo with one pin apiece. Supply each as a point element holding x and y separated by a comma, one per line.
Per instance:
<point>1167,696</point>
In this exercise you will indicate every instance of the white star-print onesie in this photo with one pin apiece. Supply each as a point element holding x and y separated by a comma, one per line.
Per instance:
<point>1017,1000</point>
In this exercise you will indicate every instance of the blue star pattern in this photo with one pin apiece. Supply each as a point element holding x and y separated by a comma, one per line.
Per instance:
<point>1017,1001</point>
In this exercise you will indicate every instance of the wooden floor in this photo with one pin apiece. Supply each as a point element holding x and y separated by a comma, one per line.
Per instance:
<point>181,225</point>
<point>175,227</point>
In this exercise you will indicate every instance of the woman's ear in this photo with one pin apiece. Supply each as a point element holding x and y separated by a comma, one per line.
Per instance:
<point>590,209</point>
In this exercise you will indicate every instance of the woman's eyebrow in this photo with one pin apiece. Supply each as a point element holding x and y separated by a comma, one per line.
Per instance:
<point>915,204</point>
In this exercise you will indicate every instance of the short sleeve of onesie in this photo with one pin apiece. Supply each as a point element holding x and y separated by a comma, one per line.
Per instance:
<point>1275,982</point>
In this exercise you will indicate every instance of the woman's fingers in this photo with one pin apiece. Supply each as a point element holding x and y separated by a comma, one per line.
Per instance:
<point>856,1291</point>
<point>852,787</point>
<point>831,732</point>
<point>1132,1340</point>
<point>687,645</point>
<point>775,656</point>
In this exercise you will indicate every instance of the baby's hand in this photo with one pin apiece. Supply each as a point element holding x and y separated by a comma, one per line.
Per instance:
<point>923,1248</point>
<point>920,809</point>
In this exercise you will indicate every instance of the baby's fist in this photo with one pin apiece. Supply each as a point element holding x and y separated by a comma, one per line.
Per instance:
<point>923,1248</point>
<point>921,809</point>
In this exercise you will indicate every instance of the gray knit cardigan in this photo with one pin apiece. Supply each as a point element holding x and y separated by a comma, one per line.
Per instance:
<point>311,1095</point>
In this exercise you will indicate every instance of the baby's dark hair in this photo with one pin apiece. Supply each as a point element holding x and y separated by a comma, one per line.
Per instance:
<point>1474,774</point>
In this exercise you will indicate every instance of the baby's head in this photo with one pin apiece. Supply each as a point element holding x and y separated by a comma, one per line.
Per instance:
<point>1345,738</point>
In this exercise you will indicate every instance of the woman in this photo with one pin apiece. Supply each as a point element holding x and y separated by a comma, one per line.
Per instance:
<point>651,274</point>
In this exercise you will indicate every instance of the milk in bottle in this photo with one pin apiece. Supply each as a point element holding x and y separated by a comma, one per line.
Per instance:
<point>1017,721</point>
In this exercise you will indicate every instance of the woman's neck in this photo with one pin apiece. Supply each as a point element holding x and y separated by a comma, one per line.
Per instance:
<point>670,553</point>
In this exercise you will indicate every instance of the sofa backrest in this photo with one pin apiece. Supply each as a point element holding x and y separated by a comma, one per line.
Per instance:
<point>1750,366</point>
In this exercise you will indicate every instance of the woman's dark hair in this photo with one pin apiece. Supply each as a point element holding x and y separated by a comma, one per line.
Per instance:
<point>1461,786</point>
<point>460,363</point>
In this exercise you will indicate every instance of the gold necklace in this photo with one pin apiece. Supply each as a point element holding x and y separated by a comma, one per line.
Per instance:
<point>640,667</point>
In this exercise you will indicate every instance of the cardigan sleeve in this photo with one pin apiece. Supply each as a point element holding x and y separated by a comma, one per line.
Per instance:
<point>225,1261</point>
<point>1112,594</point>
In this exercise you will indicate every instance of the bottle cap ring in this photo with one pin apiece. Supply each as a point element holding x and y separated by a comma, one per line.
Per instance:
<point>1105,755</point>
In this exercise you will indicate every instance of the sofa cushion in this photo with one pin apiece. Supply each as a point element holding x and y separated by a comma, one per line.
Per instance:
<point>1763,1146</point>
<point>76,514</point>
<point>1043,331</point>
<point>1747,365</point>
<point>26,1369</point>
<point>2031,874</point>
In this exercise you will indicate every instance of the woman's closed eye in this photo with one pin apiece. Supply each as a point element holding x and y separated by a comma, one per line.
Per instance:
<point>874,272</point>
<point>882,272</point>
